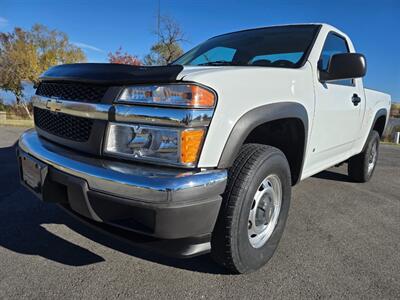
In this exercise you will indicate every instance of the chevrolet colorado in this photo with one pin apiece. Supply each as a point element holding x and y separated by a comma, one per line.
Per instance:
<point>200,155</point>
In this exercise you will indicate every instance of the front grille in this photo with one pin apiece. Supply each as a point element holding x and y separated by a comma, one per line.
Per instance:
<point>72,91</point>
<point>65,126</point>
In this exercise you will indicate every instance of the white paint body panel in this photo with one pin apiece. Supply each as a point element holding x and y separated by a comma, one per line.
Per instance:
<point>337,129</point>
<point>241,89</point>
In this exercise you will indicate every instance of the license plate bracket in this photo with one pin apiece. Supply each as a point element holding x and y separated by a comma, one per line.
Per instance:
<point>33,173</point>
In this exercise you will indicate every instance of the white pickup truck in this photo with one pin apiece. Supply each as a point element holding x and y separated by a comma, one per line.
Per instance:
<point>201,155</point>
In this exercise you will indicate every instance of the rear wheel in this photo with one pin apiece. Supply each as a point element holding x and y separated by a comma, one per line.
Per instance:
<point>254,210</point>
<point>362,166</point>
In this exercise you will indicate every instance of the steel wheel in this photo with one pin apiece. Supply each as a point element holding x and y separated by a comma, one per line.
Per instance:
<point>264,212</point>
<point>372,157</point>
<point>254,210</point>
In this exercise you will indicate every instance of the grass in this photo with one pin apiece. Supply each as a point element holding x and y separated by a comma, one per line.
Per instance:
<point>390,143</point>
<point>17,123</point>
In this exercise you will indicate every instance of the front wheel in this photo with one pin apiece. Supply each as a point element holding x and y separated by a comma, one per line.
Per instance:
<point>362,166</point>
<point>254,210</point>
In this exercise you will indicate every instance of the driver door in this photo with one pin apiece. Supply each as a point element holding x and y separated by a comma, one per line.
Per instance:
<point>337,115</point>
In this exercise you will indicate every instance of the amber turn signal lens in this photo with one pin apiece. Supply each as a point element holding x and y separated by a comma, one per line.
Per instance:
<point>190,145</point>
<point>202,97</point>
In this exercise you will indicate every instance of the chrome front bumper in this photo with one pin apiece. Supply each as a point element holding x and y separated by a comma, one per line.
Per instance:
<point>138,182</point>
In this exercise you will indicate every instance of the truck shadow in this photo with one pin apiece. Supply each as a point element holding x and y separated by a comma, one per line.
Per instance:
<point>335,176</point>
<point>26,225</point>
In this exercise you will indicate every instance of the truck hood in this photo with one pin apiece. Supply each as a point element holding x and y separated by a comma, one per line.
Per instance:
<point>112,74</point>
<point>118,74</point>
<point>196,70</point>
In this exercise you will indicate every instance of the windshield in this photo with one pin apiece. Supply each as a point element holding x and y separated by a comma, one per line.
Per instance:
<point>281,46</point>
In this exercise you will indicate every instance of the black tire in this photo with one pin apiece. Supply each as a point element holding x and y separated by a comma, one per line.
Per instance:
<point>358,165</point>
<point>230,243</point>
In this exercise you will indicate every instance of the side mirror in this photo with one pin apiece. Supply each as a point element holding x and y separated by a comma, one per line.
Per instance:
<point>344,66</point>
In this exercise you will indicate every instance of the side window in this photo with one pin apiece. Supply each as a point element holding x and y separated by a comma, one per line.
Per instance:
<point>215,54</point>
<point>334,44</point>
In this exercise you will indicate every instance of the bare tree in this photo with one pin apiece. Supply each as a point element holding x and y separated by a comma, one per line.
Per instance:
<point>170,35</point>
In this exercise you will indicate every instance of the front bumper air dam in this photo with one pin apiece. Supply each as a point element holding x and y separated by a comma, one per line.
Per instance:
<point>127,199</point>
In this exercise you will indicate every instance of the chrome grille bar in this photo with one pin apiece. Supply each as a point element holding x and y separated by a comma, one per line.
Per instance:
<point>128,113</point>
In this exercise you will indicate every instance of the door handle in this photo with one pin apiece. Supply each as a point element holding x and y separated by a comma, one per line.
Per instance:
<point>355,99</point>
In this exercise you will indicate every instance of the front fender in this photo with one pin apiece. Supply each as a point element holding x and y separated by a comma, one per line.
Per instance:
<point>256,117</point>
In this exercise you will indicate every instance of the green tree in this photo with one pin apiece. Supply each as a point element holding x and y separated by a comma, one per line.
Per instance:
<point>24,55</point>
<point>168,48</point>
<point>18,61</point>
<point>53,47</point>
<point>2,105</point>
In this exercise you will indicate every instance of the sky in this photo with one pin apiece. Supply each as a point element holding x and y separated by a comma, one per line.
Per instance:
<point>99,27</point>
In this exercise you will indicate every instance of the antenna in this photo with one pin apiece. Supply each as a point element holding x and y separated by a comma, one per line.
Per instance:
<point>158,19</point>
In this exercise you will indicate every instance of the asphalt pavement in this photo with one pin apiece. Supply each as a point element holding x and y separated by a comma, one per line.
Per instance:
<point>342,240</point>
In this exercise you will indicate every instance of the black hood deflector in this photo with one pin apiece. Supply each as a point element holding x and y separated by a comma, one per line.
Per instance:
<point>111,74</point>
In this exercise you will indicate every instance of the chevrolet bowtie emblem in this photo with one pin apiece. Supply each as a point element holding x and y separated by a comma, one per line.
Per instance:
<point>54,105</point>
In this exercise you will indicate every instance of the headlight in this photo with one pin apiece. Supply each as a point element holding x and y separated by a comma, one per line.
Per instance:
<point>184,95</point>
<point>156,144</point>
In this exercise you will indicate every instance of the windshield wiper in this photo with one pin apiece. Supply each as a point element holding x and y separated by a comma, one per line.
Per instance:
<point>218,63</point>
